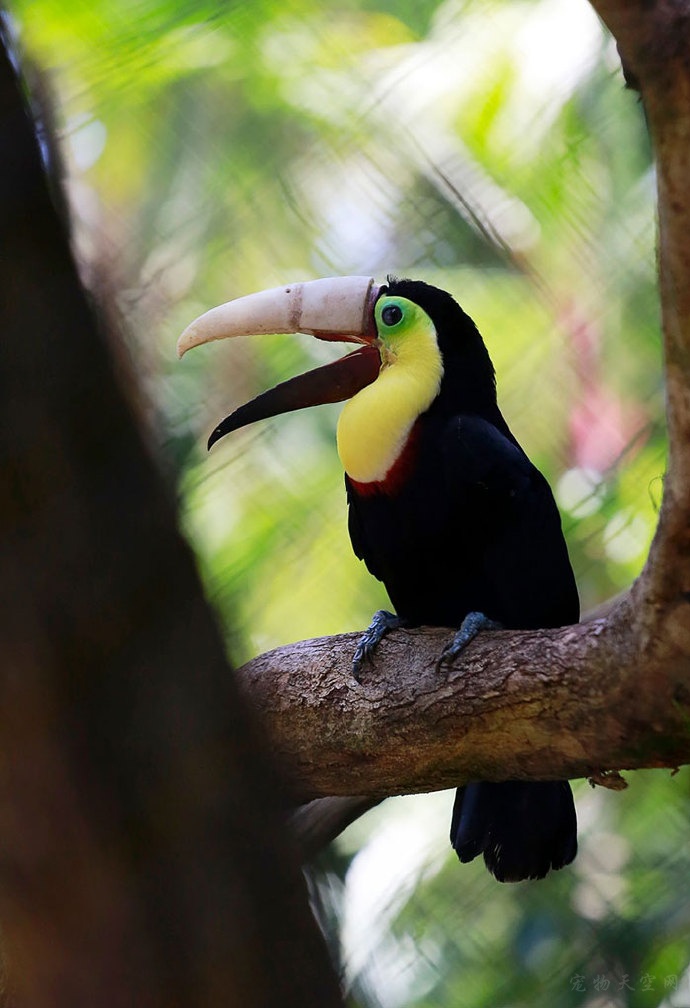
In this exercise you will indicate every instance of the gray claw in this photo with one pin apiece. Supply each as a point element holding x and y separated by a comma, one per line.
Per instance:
<point>472,624</point>
<point>382,623</point>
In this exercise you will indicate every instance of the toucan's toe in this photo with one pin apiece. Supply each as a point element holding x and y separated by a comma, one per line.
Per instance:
<point>382,623</point>
<point>472,624</point>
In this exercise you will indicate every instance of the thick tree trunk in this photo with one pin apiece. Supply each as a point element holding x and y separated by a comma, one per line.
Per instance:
<point>143,855</point>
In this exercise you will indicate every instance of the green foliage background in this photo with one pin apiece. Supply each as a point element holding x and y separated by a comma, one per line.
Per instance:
<point>488,147</point>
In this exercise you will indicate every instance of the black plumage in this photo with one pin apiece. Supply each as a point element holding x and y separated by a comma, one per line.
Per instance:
<point>466,523</point>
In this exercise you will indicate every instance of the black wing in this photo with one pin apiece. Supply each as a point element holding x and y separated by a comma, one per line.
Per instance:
<point>521,555</point>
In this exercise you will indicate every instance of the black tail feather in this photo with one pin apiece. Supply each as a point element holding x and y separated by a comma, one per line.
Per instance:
<point>523,828</point>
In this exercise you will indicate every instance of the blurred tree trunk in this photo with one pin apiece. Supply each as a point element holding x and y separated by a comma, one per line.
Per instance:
<point>143,855</point>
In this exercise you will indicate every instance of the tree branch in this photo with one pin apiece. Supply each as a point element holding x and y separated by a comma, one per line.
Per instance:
<point>318,822</point>
<point>611,693</point>
<point>540,704</point>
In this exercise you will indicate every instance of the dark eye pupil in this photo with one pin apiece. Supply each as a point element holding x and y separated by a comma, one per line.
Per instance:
<point>391,314</point>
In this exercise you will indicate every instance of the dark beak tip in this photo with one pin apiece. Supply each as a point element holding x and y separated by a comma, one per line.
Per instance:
<point>215,436</point>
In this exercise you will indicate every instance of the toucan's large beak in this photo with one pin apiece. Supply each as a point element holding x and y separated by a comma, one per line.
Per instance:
<point>337,308</point>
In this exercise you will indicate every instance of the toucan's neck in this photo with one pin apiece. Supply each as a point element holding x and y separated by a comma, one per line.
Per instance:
<point>468,386</point>
<point>379,429</point>
<point>460,394</point>
<point>436,373</point>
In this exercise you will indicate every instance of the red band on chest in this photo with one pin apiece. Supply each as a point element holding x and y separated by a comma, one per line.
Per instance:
<point>399,472</point>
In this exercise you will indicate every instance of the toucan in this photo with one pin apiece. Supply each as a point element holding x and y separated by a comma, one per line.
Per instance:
<point>444,506</point>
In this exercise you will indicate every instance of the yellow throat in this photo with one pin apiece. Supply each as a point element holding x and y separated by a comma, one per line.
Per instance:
<point>375,424</point>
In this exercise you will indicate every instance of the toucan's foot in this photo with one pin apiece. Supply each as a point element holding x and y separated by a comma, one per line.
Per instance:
<point>382,623</point>
<point>472,624</point>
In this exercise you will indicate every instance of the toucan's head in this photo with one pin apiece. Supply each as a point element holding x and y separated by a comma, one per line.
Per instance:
<point>416,348</point>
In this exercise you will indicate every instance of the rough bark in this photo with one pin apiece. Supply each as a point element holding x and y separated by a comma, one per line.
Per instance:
<point>607,694</point>
<point>548,704</point>
<point>143,853</point>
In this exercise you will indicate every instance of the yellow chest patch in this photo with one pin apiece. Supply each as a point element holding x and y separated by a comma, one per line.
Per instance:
<point>375,424</point>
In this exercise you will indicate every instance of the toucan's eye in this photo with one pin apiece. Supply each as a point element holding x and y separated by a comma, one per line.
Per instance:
<point>391,314</point>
